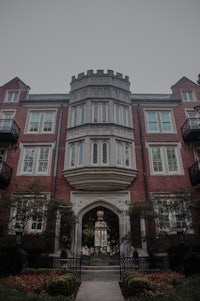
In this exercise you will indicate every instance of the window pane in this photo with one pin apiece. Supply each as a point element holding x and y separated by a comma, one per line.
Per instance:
<point>157,161</point>
<point>172,160</point>
<point>152,121</point>
<point>43,160</point>
<point>34,122</point>
<point>117,118</point>
<point>28,159</point>
<point>104,113</point>
<point>81,154</point>
<point>95,113</point>
<point>119,154</point>
<point>73,155</point>
<point>126,151</point>
<point>166,121</point>
<point>124,116</point>
<point>82,114</point>
<point>48,122</point>
<point>75,115</point>
<point>104,153</point>
<point>95,153</point>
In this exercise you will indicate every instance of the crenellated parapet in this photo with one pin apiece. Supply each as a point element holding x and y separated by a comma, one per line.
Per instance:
<point>100,84</point>
<point>100,73</point>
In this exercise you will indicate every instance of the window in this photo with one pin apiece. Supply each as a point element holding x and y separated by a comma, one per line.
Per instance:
<point>41,122</point>
<point>100,152</point>
<point>123,154</point>
<point>7,119</point>
<point>165,159</point>
<point>76,154</point>
<point>12,96</point>
<point>28,213</point>
<point>35,160</point>
<point>159,121</point>
<point>78,115</point>
<point>99,112</point>
<point>188,96</point>
<point>173,213</point>
<point>121,114</point>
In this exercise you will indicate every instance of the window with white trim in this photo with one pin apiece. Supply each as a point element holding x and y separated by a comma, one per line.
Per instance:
<point>159,122</point>
<point>12,95</point>
<point>41,122</point>
<point>121,114</point>
<point>173,212</point>
<point>188,96</point>
<point>100,152</point>
<point>123,154</point>
<point>78,114</point>
<point>76,157</point>
<point>28,213</point>
<point>99,112</point>
<point>165,159</point>
<point>35,160</point>
<point>7,119</point>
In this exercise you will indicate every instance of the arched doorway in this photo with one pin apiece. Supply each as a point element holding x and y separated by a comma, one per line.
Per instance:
<point>100,232</point>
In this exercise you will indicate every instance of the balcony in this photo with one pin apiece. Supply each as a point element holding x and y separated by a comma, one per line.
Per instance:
<point>191,130</point>
<point>194,172</point>
<point>100,178</point>
<point>9,131</point>
<point>5,174</point>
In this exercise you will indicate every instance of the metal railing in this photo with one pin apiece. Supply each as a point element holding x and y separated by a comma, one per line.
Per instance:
<point>9,126</point>
<point>143,263</point>
<point>73,263</point>
<point>191,124</point>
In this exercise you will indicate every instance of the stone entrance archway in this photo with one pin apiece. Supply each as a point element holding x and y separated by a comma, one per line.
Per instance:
<point>100,232</point>
<point>116,202</point>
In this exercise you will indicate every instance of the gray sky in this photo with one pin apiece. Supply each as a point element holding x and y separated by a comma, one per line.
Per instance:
<point>46,42</point>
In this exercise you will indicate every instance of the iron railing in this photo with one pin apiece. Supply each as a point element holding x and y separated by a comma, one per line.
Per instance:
<point>191,129</point>
<point>5,174</point>
<point>73,263</point>
<point>143,263</point>
<point>9,130</point>
<point>194,172</point>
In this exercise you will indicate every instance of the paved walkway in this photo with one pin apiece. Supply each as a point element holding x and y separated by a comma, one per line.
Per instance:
<point>99,290</point>
<point>100,284</point>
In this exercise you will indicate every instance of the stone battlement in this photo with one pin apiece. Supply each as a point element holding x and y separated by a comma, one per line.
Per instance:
<point>100,73</point>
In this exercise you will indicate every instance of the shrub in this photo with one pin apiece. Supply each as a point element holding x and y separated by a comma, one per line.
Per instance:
<point>62,285</point>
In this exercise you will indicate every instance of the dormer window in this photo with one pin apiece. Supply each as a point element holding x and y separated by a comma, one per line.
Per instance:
<point>188,96</point>
<point>12,96</point>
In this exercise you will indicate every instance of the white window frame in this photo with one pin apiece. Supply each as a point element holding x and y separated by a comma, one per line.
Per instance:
<point>41,122</point>
<point>79,109</point>
<point>120,112</point>
<point>121,151</point>
<point>164,159</point>
<point>100,114</point>
<point>75,151</point>
<point>99,143</point>
<point>36,158</point>
<point>26,222</point>
<point>159,122</point>
<point>186,95</point>
<point>14,95</point>
<point>172,202</point>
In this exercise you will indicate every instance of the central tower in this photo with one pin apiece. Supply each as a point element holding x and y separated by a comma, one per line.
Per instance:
<point>100,147</point>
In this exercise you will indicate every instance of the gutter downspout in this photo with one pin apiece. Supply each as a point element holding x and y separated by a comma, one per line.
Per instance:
<point>142,153</point>
<point>56,154</point>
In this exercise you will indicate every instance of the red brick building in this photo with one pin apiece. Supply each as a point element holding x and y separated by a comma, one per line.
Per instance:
<point>102,149</point>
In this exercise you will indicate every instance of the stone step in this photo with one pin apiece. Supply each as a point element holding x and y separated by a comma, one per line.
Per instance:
<point>100,273</point>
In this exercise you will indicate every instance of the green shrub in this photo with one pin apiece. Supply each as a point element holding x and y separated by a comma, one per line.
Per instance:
<point>62,285</point>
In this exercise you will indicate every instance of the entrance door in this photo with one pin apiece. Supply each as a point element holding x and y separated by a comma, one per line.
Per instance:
<point>100,232</point>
